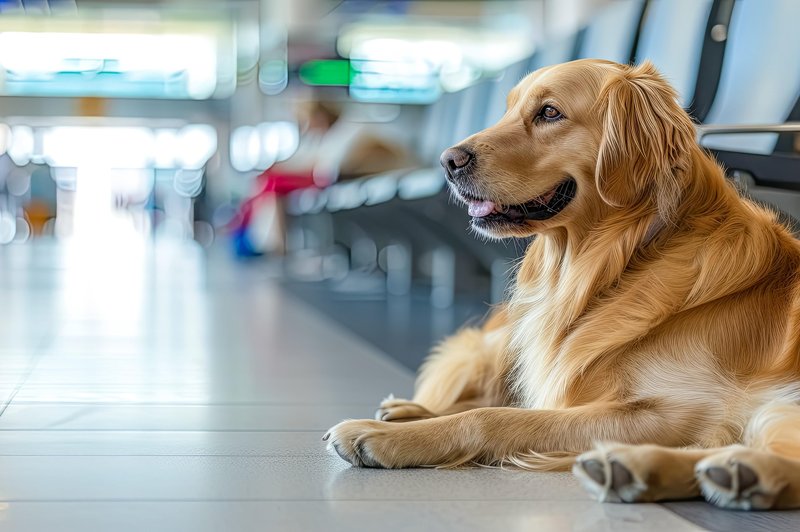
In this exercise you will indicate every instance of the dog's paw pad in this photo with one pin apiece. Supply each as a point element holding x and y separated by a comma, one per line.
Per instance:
<point>595,470</point>
<point>720,476</point>
<point>745,477</point>
<point>732,480</point>
<point>607,478</point>
<point>621,478</point>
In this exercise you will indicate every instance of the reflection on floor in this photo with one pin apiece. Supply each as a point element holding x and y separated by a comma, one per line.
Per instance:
<point>150,388</point>
<point>404,327</point>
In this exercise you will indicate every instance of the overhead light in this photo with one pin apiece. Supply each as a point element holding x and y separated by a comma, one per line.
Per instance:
<point>165,148</point>
<point>268,152</point>
<point>197,143</point>
<point>131,147</point>
<point>288,139</point>
<point>78,146</point>
<point>413,61</point>
<point>245,148</point>
<point>21,148</point>
<point>259,147</point>
<point>54,56</point>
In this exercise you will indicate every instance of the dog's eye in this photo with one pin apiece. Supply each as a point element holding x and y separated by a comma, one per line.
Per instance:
<point>550,113</point>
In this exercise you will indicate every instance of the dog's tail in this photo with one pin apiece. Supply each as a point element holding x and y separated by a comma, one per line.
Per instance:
<point>528,461</point>
<point>533,461</point>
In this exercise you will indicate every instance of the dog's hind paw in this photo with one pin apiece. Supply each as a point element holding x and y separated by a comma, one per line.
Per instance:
<point>744,479</point>
<point>607,478</point>
<point>637,473</point>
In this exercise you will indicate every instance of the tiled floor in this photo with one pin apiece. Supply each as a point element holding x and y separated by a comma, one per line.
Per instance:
<point>152,389</point>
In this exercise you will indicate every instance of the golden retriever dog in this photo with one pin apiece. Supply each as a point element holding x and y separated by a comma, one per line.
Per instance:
<point>652,338</point>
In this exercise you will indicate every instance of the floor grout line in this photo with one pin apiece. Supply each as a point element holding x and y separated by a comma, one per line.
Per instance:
<point>175,455</point>
<point>38,352</point>
<point>238,313</point>
<point>171,405</point>
<point>168,430</point>
<point>267,499</point>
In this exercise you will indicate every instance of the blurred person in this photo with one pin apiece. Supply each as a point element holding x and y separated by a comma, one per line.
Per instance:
<point>332,148</point>
<point>39,203</point>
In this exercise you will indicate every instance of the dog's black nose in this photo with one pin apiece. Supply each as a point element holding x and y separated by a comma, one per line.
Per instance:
<point>454,159</point>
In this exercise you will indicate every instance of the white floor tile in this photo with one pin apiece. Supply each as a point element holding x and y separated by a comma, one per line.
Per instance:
<point>165,391</point>
<point>54,417</point>
<point>301,516</point>
<point>248,389</point>
<point>322,476</point>
<point>160,443</point>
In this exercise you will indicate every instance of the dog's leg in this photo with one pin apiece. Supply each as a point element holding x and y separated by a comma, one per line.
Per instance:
<point>734,477</point>
<point>462,373</point>
<point>403,410</point>
<point>747,479</point>
<point>764,476</point>
<point>640,473</point>
<point>492,435</point>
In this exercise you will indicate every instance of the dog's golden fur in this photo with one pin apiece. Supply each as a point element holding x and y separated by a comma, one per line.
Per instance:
<point>659,310</point>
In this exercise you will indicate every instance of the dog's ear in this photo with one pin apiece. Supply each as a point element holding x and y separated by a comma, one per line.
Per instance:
<point>647,140</point>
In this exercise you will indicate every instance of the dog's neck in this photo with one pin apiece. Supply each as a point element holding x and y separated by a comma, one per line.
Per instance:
<point>568,273</point>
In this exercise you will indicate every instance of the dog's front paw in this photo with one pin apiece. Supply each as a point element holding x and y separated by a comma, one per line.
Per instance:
<point>392,409</point>
<point>359,442</point>
<point>439,442</point>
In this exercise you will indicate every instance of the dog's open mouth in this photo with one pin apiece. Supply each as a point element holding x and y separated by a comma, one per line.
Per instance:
<point>540,208</point>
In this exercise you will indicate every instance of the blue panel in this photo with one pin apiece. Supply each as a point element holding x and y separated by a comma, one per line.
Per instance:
<point>672,38</point>
<point>387,82</point>
<point>10,5</point>
<point>512,75</point>
<point>760,79</point>
<point>611,32</point>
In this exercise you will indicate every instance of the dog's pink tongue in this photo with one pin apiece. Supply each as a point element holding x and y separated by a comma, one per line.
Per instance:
<point>479,209</point>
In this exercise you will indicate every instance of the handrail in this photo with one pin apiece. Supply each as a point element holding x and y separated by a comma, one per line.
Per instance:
<point>704,130</point>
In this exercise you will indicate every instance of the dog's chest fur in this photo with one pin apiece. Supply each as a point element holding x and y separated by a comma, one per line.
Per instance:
<point>534,346</point>
<point>539,325</point>
<point>574,312</point>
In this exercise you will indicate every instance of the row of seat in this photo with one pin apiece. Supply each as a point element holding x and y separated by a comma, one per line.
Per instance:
<point>732,62</point>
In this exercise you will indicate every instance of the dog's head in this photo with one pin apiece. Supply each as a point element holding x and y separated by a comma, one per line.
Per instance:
<point>576,139</point>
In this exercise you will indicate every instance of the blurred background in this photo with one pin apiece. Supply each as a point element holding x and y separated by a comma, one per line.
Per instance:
<point>224,228</point>
<point>301,138</point>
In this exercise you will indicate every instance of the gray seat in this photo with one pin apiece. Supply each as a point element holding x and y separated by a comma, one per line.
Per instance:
<point>612,32</point>
<point>672,38</point>
<point>439,129</point>
<point>500,86</point>
<point>760,80</point>
<point>558,51</point>
<point>472,113</point>
<point>553,52</point>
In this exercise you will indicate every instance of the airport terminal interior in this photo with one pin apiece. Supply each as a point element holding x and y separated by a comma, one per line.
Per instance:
<point>224,228</point>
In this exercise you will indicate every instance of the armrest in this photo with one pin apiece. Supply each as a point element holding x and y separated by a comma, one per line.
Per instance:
<point>715,129</point>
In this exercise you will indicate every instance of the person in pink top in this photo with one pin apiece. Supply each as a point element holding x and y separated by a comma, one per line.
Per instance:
<point>331,149</point>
